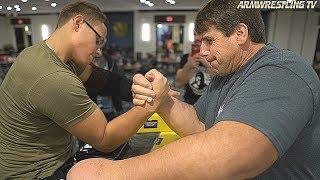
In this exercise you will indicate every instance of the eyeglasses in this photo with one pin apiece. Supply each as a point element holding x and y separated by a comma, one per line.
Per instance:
<point>100,41</point>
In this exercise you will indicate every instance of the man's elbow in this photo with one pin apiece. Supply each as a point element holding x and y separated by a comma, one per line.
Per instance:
<point>82,170</point>
<point>106,148</point>
<point>94,168</point>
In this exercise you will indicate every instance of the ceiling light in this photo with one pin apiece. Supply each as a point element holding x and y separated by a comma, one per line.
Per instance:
<point>0,7</point>
<point>24,0</point>
<point>16,6</point>
<point>18,9</point>
<point>151,4</point>
<point>53,4</point>
<point>142,1</point>
<point>46,0</point>
<point>34,8</point>
<point>147,3</point>
<point>172,2</point>
<point>9,8</point>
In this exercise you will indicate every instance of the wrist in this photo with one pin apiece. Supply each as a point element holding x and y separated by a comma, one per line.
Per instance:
<point>166,105</point>
<point>146,110</point>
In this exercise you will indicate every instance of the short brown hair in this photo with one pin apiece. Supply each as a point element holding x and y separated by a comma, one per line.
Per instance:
<point>225,16</point>
<point>90,12</point>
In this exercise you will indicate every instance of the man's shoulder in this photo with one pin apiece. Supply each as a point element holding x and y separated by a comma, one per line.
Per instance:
<point>282,58</point>
<point>279,56</point>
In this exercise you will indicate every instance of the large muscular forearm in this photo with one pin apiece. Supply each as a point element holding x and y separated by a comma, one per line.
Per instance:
<point>181,117</point>
<point>229,150</point>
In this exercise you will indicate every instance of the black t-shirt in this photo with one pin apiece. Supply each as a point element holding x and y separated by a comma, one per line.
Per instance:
<point>197,83</point>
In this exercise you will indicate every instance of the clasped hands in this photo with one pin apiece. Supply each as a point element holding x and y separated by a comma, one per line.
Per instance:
<point>151,90</point>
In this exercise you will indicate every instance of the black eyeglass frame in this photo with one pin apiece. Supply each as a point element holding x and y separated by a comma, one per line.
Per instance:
<point>101,41</point>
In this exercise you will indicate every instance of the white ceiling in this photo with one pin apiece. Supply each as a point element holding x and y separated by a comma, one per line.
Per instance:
<point>43,6</point>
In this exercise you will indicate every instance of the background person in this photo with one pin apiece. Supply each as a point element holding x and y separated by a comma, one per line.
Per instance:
<point>191,66</point>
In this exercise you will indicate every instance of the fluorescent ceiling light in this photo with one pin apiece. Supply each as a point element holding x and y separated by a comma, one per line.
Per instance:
<point>53,4</point>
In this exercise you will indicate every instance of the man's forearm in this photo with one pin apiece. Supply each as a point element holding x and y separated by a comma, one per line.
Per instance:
<point>181,117</point>
<point>186,158</point>
<point>183,76</point>
<point>123,127</point>
<point>225,151</point>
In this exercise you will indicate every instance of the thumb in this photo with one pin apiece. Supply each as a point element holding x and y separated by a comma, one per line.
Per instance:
<point>174,93</point>
<point>150,76</point>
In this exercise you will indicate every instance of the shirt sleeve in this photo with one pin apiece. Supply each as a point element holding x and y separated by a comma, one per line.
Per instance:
<point>61,97</point>
<point>274,101</point>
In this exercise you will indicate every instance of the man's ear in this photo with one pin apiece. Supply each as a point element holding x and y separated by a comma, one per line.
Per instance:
<point>242,33</point>
<point>77,21</point>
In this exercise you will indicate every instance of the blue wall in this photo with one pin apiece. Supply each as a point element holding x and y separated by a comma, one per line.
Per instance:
<point>122,21</point>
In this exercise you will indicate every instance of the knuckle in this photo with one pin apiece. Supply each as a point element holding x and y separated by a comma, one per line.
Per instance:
<point>136,77</point>
<point>134,101</point>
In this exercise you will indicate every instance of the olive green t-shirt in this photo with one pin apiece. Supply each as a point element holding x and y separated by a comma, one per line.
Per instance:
<point>39,98</point>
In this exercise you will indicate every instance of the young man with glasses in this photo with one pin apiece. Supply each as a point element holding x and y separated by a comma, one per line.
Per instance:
<point>43,101</point>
